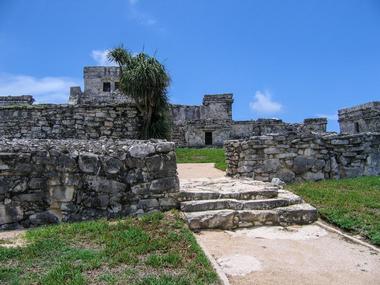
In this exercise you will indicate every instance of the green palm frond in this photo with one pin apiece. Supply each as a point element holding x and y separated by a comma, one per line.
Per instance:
<point>146,80</point>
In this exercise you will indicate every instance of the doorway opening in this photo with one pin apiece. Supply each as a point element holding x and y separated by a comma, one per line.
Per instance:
<point>357,130</point>
<point>208,138</point>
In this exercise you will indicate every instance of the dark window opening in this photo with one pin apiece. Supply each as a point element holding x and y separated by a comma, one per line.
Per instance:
<point>106,86</point>
<point>117,85</point>
<point>208,138</point>
<point>357,127</point>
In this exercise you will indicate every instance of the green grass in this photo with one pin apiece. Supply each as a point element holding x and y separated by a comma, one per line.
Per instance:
<point>352,204</point>
<point>152,250</point>
<point>202,155</point>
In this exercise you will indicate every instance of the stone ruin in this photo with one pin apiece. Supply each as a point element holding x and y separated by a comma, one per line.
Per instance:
<point>46,181</point>
<point>361,118</point>
<point>102,110</point>
<point>303,157</point>
<point>81,160</point>
<point>16,100</point>
<point>312,155</point>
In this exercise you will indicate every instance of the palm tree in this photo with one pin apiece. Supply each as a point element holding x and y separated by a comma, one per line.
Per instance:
<point>145,79</point>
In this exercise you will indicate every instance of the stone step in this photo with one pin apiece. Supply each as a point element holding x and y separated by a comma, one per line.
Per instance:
<point>283,200</point>
<point>264,193</point>
<point>299,214</point>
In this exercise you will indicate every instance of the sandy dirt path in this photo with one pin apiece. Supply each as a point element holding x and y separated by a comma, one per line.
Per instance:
<point>296,255</point>
<point>198,170</point>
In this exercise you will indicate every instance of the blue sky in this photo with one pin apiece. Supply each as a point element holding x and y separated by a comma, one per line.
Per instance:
<point>283,59</point>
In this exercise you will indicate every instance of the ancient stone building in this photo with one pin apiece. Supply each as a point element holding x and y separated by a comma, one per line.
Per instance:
<point>360,118</point>
<point>200,125</point>
<point>102,110</point>
<point>207,124</point>
<point>101,86</point>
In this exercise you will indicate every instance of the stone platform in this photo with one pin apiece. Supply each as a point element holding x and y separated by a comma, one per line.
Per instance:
<point>227,203</point>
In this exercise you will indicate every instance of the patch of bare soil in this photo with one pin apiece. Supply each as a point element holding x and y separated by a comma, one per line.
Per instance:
<point>12,238</point>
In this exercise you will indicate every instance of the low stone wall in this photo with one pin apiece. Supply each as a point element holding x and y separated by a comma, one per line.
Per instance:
<point>304,156</point>
<point>47,181</point>
<point>63,121</point>
<point>16,100</point>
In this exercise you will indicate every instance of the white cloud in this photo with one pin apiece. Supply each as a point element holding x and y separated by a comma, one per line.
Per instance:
<point>140,16</point>
<point>133,2</point>
<point>263,103</point>
<point>100,57</point>
<point>331,117</point>
<point>44,89</point>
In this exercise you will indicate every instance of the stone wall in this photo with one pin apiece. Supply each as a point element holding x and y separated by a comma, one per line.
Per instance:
<point>66,121</point>
<point>304,156</point>
<point>47,181</point>
<point>246,129</point>
<point>16,100</point>
<point>214,107</point>
<point>315,124</point>
<point>361,118</point>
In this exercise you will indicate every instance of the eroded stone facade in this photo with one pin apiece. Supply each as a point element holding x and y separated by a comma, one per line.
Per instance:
<point>208,124</point>
<point>101,86</point>
<point>211,123</point>
<point>360,118</point>
<point>304,156</point>
<point>65,121</point>
<point>47,181</point>
<point>16,100</point>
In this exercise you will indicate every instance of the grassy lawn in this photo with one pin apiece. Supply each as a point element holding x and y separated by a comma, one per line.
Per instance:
<point>352,204</point>
<point>156,249</point>
<point>202,155</point>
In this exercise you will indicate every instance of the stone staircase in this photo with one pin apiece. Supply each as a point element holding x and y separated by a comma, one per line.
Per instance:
<point>227,203</point>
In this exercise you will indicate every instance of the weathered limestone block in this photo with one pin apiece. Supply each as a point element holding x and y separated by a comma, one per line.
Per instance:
<point>37,183</point>
<point>302,164</point>
<point>168,203</point>
<point>43,218</point>
<point>271,165</point>
<point>99,184</point>
<point>10,214</point>
<point>148,204</point>
<point>159,164</point>
<point>89,163</point>
<point>61,193</point>
<point>112,165</point>
<point>168,184</point>
<point>141,150</point>
<point>313,176</point>
<point>286,175</point>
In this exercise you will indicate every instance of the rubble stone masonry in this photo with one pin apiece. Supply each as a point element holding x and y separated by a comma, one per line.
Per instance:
<point>47,181</point>
<point>304,156</point>
<point>50,121</point>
